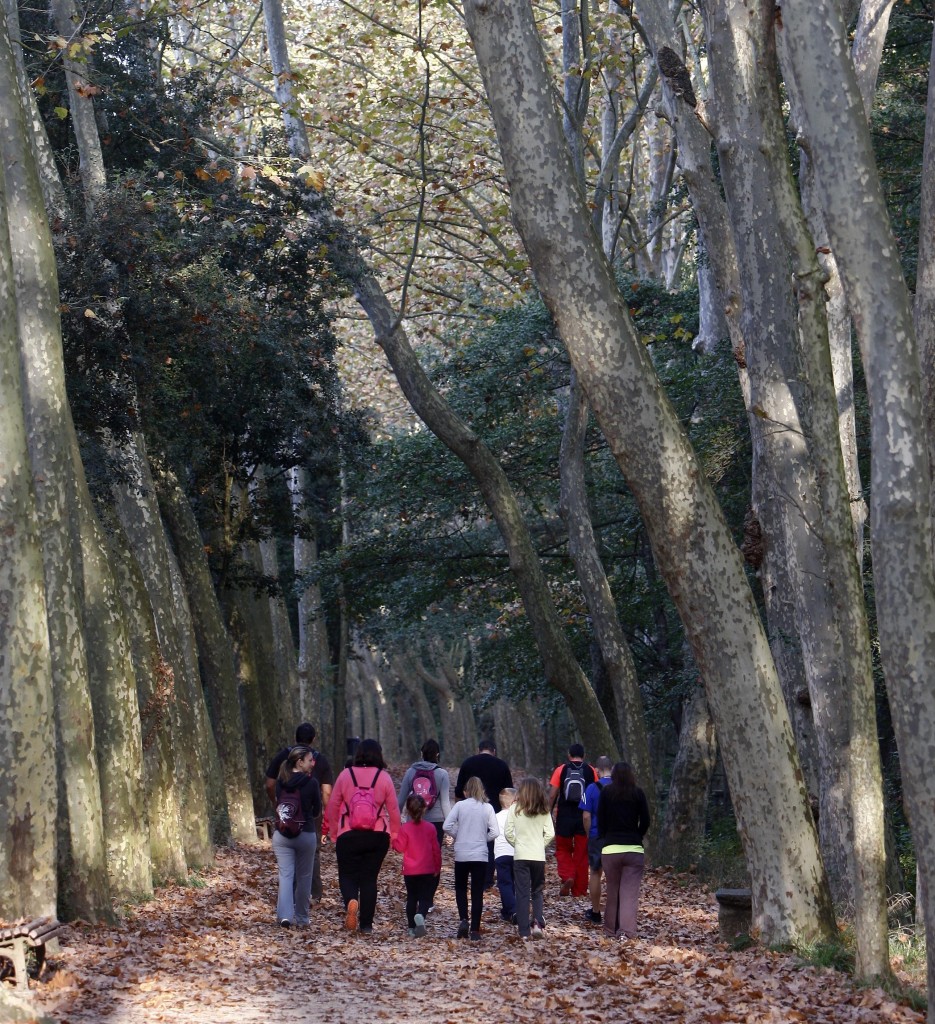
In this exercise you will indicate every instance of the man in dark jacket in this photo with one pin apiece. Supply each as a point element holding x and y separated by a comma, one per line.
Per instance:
<point>495,774</point>
<point>304,735</point>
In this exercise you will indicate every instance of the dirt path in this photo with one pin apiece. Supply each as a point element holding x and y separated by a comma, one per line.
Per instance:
<point>213,954</point>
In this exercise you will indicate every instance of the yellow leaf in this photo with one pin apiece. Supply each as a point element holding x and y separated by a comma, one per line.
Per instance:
<point>61,113</point>
<point>90,314</point>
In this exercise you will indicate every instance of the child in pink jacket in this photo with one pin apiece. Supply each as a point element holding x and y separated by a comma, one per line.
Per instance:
<point>417,841</point>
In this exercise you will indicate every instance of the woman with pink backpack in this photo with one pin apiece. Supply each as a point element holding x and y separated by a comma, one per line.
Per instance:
<point>362,818</point>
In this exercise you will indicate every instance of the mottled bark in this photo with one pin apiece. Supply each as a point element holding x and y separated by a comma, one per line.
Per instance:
<point>690,539</point>
<point>57,472</point>
<point>138,511</point>
<point>156,692</point>
<point>795,419</point>
<point>313,640</point>
<point>215,655</point>
<point>679,839</point>
<point>836,133</point>
<point>924,310</point>
<point>28,804</point>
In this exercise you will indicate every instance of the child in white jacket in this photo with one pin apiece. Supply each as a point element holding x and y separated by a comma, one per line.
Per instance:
<point>471,824</point>
<point>529,828</point>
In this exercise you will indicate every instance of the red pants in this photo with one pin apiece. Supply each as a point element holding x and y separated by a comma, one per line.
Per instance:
<point>571,854</point>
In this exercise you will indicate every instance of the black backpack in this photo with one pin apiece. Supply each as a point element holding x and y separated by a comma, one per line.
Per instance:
<point>290,818</point>
<point>574,784</point>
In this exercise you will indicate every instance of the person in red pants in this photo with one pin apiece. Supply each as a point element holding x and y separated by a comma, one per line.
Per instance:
<point>566,788</point>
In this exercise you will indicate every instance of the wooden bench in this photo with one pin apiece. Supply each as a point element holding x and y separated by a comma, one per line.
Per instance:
<point>734,912</point>
<point>15,940</point>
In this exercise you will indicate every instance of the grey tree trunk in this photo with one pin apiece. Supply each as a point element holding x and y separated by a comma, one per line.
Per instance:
<point>138,511</point>
<point>28,805</point>
<point>678,840</point>
<point>861,236</point>
<point>313,641</point>
<point>582,546</point>
<point>690,539</point>
<point>214,648</point>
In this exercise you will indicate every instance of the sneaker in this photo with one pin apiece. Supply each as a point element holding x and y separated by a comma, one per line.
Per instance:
<point>285,923</point>
<point>463,930</point>
<point>350,917</point>
<point>431,910</point>
<point>411,932</point>
<point>365,929</point>
<point>536,931</point>
<point>419,929</point>
<point>567,885</point>
<point>594,916</point>
<point>475,936</point>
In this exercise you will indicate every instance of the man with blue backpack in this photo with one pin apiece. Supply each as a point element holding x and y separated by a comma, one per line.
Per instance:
<point>567,787</point>
<point>589,816</point>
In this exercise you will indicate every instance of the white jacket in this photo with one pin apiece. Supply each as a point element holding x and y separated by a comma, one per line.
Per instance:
<point>473,824</point>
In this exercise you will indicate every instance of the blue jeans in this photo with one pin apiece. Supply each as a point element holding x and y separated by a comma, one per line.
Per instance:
<point>295,857</point>
<point>505,885</point>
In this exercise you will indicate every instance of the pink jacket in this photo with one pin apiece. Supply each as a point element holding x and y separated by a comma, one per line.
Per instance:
<point>384,793</point>
<point>417,841</point>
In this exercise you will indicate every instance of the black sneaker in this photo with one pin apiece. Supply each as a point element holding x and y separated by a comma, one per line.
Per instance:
<point>475,936</point>
<point>463,930</point>
<point>594,916</point>
<point>285,923</point>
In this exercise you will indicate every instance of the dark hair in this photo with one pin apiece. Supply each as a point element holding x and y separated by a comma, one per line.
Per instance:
<point>291,760</point>
<point>304,733</point>
<point>487,745</point>
<point>622,785</point>
<point>576,750</point>
<point>431,750</point>
<point>415,807</point>
<point>369,754</point>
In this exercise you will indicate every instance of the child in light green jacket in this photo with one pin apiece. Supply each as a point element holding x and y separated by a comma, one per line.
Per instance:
<point>529,828</point>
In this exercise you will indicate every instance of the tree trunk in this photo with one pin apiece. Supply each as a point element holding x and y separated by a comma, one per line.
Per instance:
<point>682,831</point>
<point>156,692</point>
<point>839,140</point>
<point>28,804</point>
<point>313,640</point>
<point>214,648</point>
<point>136,506</point>
<point>582,546</point>
<point>690,539</point>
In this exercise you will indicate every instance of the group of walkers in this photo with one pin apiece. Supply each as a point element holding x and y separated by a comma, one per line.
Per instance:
<point>600,819</point>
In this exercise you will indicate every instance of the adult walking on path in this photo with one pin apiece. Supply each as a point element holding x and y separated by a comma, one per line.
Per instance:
<point>567,787</point>
<point>363,817</point>
<point>495,775</point>
<point>592,794</point>
<point>622,821</point>
<point>425,778</point>
<point>298,804</point>
<point>305,735</point>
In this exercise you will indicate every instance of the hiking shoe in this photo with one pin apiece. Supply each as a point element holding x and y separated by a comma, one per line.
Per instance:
<point>419,929</point>
<point>567,885</point>
<point>350,918</point>
<point>475,936</point>
<point>594,916</point>
<point>536,931</point>
<point>463,930</point>
<point>285,923</point>
<point>365,929</point>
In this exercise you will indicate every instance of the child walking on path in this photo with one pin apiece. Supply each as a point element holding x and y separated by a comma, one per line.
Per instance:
<point>422,863</point>
<point>503,859</point>
<point>470,825</point>
<point>529,828</point>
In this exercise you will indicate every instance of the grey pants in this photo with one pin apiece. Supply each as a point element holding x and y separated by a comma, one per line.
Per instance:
<point>296,860</point>
<point>529,885</point>
<point>623,873</point>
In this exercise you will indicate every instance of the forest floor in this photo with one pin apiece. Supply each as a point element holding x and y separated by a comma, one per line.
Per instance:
<point>211,952</point>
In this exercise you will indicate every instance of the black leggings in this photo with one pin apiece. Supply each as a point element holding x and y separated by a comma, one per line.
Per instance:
<point>476,870</point>
<point>419,892</point>
<point>360,855</point>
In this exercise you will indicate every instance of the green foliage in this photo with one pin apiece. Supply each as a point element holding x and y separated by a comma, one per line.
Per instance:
<point>838,955</point>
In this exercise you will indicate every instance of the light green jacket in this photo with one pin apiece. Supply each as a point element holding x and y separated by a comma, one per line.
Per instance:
<point>529,835</point>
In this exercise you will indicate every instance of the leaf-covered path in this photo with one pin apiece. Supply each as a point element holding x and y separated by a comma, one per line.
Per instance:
<point>213,954</point>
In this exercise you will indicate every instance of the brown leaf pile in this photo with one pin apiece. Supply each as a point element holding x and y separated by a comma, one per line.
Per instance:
<point>214,954</point>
